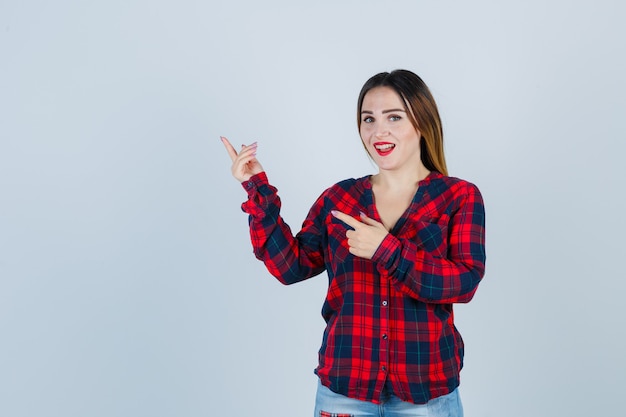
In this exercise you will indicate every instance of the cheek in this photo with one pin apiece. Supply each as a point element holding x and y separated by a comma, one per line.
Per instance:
<point>365,132</point>
<point>410,134</point>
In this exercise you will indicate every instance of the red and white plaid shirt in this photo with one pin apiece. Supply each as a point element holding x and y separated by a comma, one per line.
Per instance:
<point>389,319</point>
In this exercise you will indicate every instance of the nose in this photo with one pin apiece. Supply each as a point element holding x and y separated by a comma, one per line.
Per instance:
<point>382,130</point>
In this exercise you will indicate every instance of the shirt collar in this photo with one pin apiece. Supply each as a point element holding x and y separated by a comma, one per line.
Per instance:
<point>365,183</point>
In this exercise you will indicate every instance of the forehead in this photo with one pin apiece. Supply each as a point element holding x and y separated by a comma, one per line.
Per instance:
<point>381,98</point>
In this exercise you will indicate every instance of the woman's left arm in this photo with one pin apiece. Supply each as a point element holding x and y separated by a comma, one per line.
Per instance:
<point>431,268</point>
<point>440,274</point>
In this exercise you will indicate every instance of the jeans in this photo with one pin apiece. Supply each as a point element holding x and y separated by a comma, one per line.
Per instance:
<point>330,404</point>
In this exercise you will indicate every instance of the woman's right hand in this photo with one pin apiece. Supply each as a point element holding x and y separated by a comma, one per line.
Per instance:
<point>245,164</point>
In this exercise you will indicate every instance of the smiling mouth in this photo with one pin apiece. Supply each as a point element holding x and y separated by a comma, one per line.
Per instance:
<point>384,148</point>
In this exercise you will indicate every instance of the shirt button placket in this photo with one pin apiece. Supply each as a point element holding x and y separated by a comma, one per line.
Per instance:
<point>384,343</point>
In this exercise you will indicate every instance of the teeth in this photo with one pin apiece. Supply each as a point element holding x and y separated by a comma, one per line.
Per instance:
<point>385,146</point>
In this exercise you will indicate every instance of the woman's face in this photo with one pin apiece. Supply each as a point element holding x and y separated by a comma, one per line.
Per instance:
<point>387,132</point>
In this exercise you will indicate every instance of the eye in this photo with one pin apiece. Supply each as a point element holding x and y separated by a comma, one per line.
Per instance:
<point>368,119</point>
<point>394,118</point>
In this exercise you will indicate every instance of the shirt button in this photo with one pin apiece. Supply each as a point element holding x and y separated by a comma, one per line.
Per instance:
<point>385,336</point>
<point>384,368</point>
<point>384,303</point>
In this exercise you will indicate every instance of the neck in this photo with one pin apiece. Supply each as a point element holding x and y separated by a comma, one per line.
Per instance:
<point>401,178</point>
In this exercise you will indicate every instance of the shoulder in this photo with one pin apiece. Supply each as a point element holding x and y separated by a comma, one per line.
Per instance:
<point>348,186</point>
<point>346,191</point>
<point>456,193</point>
<point>457,186</point>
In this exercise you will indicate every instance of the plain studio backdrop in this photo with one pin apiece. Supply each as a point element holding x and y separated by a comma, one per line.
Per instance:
<point>128,286</point>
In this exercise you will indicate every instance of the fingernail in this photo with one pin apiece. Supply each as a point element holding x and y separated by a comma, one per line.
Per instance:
<point>333,212</point>
<point>362,214</point>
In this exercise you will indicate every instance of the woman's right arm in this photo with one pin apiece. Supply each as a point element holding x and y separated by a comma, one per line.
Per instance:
<point>290,259</point>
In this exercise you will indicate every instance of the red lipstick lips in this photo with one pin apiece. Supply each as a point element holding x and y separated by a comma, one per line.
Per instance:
<point>384,148</point>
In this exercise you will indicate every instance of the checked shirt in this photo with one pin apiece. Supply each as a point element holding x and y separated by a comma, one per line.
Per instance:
<point>389,319</point>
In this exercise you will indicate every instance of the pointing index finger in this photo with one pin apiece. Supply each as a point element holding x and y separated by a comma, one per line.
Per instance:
<point>350,221</point>
<point>229,148</point>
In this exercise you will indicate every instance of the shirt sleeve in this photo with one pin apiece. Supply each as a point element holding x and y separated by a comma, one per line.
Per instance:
<point>448,274</point>
<point>287,257</point>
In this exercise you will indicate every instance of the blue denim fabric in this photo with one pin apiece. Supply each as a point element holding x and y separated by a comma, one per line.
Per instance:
<point>337,405</point>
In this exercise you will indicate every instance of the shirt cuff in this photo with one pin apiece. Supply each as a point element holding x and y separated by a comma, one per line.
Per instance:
<point>255,181</point>
<point>262,197</point>
<point>385,255</point>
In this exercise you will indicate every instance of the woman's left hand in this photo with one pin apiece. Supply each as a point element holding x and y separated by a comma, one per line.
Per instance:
<point>366,237</point>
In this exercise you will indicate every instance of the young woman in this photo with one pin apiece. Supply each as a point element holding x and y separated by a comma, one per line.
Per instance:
<point>400,247</point>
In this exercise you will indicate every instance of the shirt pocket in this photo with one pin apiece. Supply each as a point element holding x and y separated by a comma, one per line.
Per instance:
<point>430,236</point>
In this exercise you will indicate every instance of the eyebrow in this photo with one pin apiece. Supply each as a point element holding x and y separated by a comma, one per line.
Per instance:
<point>384,111</point>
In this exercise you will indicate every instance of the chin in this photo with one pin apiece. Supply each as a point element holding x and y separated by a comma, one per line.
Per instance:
<point>387,166</point>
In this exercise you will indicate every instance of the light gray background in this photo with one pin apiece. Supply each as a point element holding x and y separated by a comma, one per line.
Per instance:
<point>127,282</point>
